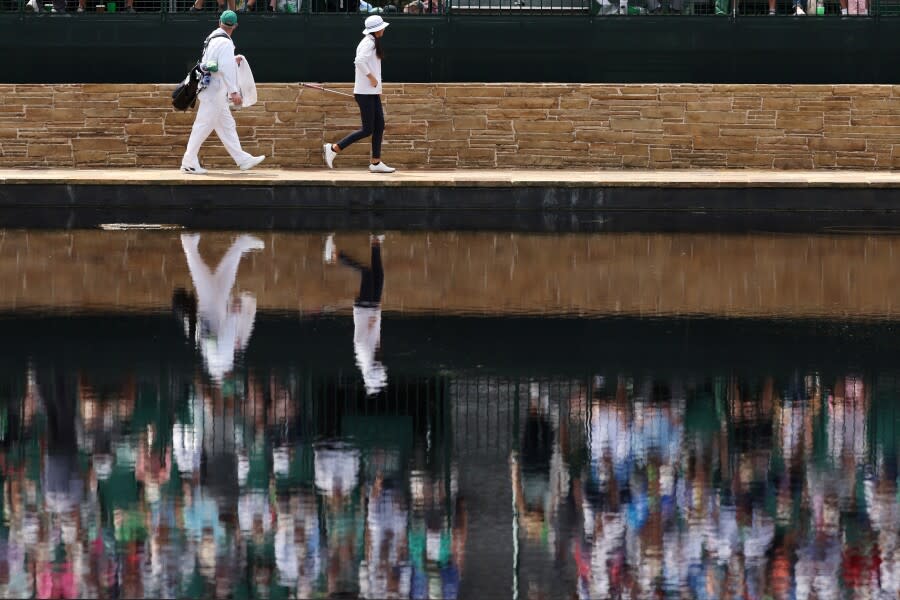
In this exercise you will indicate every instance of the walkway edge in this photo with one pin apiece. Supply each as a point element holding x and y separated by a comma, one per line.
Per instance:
<point>493,178</point>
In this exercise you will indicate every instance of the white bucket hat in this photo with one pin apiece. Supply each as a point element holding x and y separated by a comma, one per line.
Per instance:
<point>374,23</point>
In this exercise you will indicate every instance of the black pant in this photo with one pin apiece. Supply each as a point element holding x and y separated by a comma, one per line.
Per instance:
<point>372,123</point>
<point>371,281</point>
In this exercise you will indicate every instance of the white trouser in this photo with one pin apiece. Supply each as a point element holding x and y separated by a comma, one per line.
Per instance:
<point>214,288</point>
<point>213,115</point>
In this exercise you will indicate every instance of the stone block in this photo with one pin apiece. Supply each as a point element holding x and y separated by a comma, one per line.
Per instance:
<point>144,129</point>
<point>574,102</point>
<point>617,124</point>
<point>692,129</point>
<point>725,143</point>
<point>660,154</point>
<point>279,106</point>
<point>662,112</point>
<point>782,103</point>
<point>90,157</point>
<point>604,135</point>
<point>799,122</point>
<point>713,105</point>
<point>875,121</point>
<point>50,151</point>
<point>544,127</point>
<point>824,159</point>
<point>842,144</point>
<point>858,161</point>
<point>304,116</point>
<point>792,162</point>
<point>470,122</point>
<point>284,94</point>
<point>748,159</point>
<point>635,161</point>
<point>523,102</point>
<point>145,102</point>
<point>106,144</point>
<point>633,150</point>
<point>719,117</point>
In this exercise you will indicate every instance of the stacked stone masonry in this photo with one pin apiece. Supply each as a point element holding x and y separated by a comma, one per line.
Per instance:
<point>474,125</point>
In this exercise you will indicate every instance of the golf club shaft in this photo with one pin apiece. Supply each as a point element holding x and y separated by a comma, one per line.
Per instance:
<point>323,89</point>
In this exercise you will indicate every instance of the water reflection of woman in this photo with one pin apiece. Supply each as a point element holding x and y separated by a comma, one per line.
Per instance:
<point>224,323</point>
<point>366,312</point>
<point>385,571</point>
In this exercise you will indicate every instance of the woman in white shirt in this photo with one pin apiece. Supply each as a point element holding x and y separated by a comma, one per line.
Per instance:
<point>367,91</point>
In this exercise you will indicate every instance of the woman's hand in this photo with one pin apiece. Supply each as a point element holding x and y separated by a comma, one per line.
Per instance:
<point>372,80</point>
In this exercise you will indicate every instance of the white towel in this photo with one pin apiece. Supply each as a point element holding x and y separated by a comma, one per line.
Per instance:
<point>246,83</point>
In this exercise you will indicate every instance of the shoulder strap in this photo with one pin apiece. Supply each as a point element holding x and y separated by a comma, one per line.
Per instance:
<point>214,35</point>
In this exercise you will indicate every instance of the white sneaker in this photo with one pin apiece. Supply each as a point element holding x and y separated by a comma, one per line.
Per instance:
<point>249,242</point>
<point>80,9</point>
<point>190,239</point>
<point>381,168</point>
<point>252,162</point>
<point>198,170</point>
<point>330,248</point>
<point>329,155</point>
<point>799,12</point>
<point>33,5</point>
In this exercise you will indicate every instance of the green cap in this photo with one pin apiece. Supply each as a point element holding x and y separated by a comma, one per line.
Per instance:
<point>229,17</point>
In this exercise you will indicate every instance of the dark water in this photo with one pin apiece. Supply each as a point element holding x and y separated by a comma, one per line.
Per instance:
<point>449,415</point>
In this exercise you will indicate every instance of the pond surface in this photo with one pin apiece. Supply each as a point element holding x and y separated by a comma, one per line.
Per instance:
<point>449,415</point>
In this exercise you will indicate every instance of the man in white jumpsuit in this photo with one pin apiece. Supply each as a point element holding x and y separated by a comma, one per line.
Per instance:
<point>213,113</point>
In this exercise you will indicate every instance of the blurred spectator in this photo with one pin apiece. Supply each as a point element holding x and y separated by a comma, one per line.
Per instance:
<point>198,5</point>
<point>59,6</point>
<point>854,7</point>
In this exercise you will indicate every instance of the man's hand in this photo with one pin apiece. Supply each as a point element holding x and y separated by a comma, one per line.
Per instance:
<point>236,99</point>
<point>238,58</point>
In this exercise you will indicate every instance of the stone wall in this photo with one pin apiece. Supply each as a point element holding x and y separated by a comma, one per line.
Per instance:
<point>474,125</point>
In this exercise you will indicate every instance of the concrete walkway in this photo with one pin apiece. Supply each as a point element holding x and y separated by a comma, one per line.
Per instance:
<point>490,178</point>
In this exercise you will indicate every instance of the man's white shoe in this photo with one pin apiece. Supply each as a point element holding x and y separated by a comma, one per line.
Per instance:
<point>252,162</point>
<point>329,153</point>
<point>800,12</point>
<point>381,168</point>
<point>198,170</point>
<point>33,5</point>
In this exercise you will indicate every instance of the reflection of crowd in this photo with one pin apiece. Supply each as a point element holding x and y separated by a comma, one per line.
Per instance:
<point>726,487</point>
<point>112,489</point>
<point>713,489</point>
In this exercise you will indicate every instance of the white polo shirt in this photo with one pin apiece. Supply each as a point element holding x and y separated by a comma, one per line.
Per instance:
<point>367,62</point>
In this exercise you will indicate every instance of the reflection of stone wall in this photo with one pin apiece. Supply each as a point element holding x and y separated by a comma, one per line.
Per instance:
<point>475,125</point>
<point>648,274</point>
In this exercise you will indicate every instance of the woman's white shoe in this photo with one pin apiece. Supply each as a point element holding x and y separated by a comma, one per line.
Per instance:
<point>380,167</point>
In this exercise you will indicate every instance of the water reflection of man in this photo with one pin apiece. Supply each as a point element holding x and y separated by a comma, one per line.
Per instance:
<point>366,312</point>
<point>337,479</point>
<point>225,323</point>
